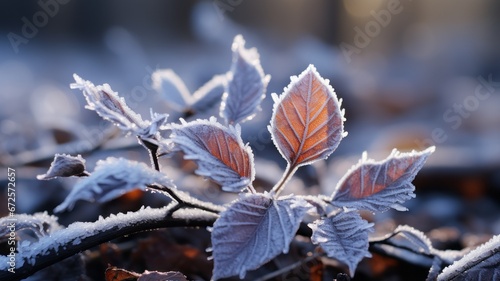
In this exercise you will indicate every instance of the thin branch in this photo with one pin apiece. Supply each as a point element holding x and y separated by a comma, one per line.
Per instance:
<point>106,230</point>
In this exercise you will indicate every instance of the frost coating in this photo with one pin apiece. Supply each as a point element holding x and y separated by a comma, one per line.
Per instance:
<point>307,124</point>
<point>110,106</point>
<point>64,166</point>
<point>378,186</point>
<point>246,87</point>
<point>343,237</point>
<point>40,223</point>
<point>253,230</point>
<point>171,87</point>
<point>219,152</point>
<point>409,237</point>
<point>112,178</point>
<point>483,263</point>
<point>78,231</point>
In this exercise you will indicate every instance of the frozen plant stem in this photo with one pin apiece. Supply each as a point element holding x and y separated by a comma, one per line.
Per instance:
<point>152,149</point>
<point>289,171</point>
<point>186,201</point>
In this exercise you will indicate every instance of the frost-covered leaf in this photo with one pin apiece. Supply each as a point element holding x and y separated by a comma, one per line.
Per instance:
<point>112,178</point>
<point>162,276</point>
<point>171,87</point>
<point>322,208</point>
<point>405,236</point>
<point>40,223</point>
<point>110,106</point>
<point>307,122</point>
<point>208,95</point>
<point>103,100</point>
<point>483,263</point>
<point>378,186</point>
<point>343,237</point>
<point>408,244</point>
<point>246,86</point>
<point>253,230</point>
<point>218,151</point>
<point>437,266</point>
<point>64,166</point>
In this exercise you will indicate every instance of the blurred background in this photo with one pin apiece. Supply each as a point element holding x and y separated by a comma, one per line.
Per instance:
<point>411,73</point>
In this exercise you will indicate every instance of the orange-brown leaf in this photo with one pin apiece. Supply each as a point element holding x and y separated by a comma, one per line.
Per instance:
<point>219,152</point>
<point>307,122</point>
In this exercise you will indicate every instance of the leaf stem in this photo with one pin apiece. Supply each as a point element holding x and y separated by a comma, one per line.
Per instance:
<point>289,171</point>
<point>152,149</point>
<point>184,200</point>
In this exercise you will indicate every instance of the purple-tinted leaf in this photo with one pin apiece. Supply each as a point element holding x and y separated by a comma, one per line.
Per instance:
<point>64,166</point>
<point>171,87</point>
<point>410,238</point>
<point>307,123</point>
<point>436,267</point>
<point>208,95</point>
<point>343,237</point>
<point>253,230</point>
<point>246,87</point>
<point>378,186</point>
<point>174,91</point>
<point>162,276</point>
<point>112,178</point>
<point>483,263</point>
<point>218,151</point>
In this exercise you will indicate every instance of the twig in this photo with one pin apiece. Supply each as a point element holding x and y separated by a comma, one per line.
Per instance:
<point>187,201</point>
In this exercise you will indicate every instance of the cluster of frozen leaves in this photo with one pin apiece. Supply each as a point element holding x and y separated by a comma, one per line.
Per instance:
<point>306,126</point>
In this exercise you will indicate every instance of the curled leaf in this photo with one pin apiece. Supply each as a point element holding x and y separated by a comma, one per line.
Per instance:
<point>112,178</point>
<point>246,86</point>
<point>307,123</point>
<point>106,102</point>
<point>110,106</point>
<point>64,165</point>
<point>219,152</point>
<point>171,87</point>
<point>378,186</point>
<point>253,230</point>
<point>209,95</point>
<point>343,237</point>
